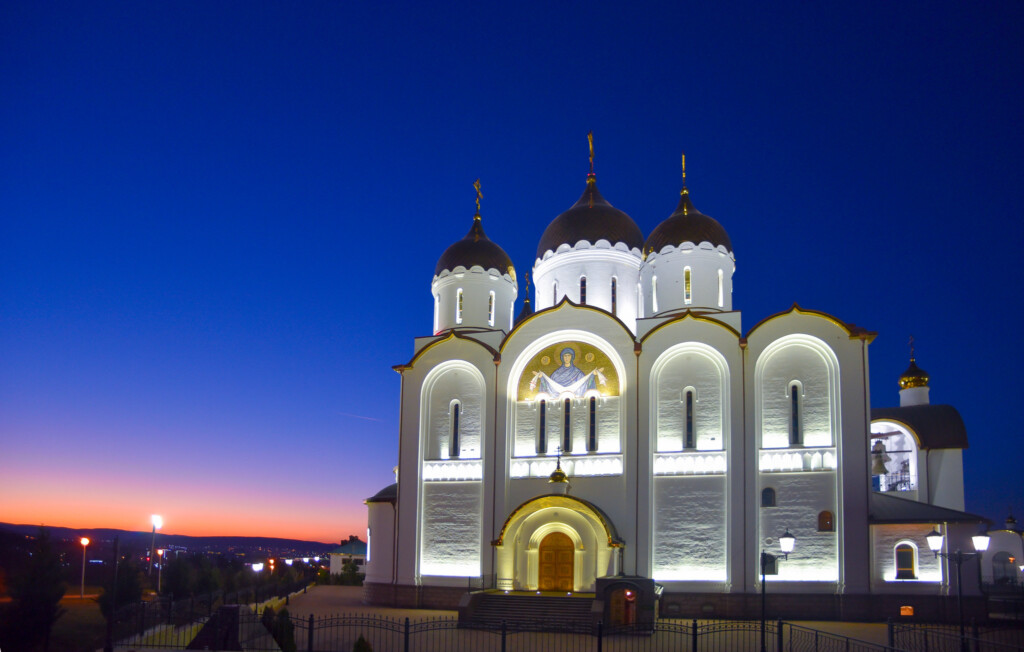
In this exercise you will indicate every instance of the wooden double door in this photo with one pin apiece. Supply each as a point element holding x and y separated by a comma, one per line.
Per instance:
<point>557,557</point>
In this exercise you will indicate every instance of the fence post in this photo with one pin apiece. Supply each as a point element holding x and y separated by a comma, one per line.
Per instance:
<point>974,633</point>
<point>309,639</point>
<point>890,634</point>
<point>600,635</point>
<point>778,635</point>
<point>504,632</point>
<point>693,636</point>
<point>405,643</point>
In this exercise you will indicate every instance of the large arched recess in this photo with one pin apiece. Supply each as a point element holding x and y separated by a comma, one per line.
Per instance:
<point>567,323</point>
<point>592,532</point>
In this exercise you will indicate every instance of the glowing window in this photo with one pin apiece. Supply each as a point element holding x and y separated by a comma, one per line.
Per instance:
<point>437,312</point>
<point>796,435</point>
<point>614,296</point>
<point>542,428</point>
<point>490,309</point>
<point>640,300</point>
<point>687,293</point>
<point>458,307</point>
<point>592,438</point>
<point>906,562</point>
<point>689,418</point>
<point>583,290</point>
<point>721,294</point>
<point>654,295</point>
<point>826,522</point>
<point>567,425</point>
<point>453,449</point>
<point>767,497</point>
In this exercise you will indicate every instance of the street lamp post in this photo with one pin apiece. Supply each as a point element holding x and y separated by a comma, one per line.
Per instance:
<point>160,570</point>
<point>158,522</point>
<point>786,543</point>
<point>980,542</point>
<point>84,541</point>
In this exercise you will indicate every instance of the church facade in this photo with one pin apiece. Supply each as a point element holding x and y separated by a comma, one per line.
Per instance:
<point>624,425</point>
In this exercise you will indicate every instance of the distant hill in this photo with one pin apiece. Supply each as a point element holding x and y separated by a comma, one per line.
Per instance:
<point>142,539</point>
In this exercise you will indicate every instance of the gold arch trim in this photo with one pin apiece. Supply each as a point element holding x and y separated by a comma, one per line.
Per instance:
<point>566,502</point>
<point>854,332</point>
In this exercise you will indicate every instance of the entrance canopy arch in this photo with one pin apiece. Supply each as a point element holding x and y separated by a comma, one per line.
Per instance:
<point>518,546</point>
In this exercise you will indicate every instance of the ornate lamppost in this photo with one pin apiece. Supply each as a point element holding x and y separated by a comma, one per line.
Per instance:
<point>786,543</point>
<point>980,542</point>
<point>158,522</point>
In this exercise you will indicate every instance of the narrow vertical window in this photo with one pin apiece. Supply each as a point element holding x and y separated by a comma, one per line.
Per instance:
<point>640,300</point>
<point>689,418</point>
<point>511,313</point>
<point>554,293</point>
<point>614,296</point>
<point>654,295</point>
<point>454,449</point>
<point>767,497</point>
<point>542,428</point>
<point>906,562</point>
<point>567,426</point>
<point>687,290</point>
<point>592,436</point>
<point>583,290</point>
<point>458,307</point>
<point>721,295</point>
<point>795,427</point>
<point>437,312</point>
<point>490,309</point>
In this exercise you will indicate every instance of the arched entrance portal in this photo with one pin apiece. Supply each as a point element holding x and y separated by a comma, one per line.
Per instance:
<point>556,543</point>
<point>555,571</point>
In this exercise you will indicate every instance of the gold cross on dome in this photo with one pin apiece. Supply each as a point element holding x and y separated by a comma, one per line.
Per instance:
<point>479,195</point>
<point>590,140</point>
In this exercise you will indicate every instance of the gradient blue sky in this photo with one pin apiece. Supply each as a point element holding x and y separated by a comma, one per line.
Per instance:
<point>219,220</point>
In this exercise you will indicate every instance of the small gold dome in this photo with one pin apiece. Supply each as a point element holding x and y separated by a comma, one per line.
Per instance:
<point>914,376</point>
<point>558,476</point>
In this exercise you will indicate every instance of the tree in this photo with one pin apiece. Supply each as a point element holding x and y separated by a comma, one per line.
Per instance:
<point>36,594</point>
<point>129,587</point>
<point>362,645</point>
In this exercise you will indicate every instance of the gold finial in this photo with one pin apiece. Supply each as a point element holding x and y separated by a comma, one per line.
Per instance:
<point>479,196</point>
<point>911,343</point>
<point>914,376</point>
<point>590,140</point>
<point>684,191</point>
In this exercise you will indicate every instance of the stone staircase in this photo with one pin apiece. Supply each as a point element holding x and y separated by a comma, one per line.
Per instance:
<point>527,611</point>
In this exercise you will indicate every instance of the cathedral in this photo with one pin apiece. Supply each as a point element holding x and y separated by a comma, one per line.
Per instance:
<point>622,437</point>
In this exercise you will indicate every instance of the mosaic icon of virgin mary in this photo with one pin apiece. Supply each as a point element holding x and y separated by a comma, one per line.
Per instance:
<point>568,377</point>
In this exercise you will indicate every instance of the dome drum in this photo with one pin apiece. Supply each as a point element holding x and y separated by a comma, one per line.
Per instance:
<point>695,278</point>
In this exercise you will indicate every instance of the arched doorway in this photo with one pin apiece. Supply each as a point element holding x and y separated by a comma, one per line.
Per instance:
<point>555,569</point>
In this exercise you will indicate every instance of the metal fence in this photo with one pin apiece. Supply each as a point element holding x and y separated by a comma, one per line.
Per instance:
<point>946,638</point>
<point>242,628</point>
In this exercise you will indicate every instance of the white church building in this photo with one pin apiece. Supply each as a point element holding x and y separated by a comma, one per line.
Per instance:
<point>624,430</point>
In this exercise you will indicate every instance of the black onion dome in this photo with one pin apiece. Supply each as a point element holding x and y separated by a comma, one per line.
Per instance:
<point>687,224</point>
<point>475,249</point>
<point>592,218</point>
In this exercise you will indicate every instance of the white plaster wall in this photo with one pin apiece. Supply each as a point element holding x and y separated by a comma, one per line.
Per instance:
<point>884,539</point>
<point>800,497</point>
<point>702,368</point>
<point>599,264</point>
<point>450,382</point>
<point>476,285</point>
<point>450,540</point>
<point>704,262</point>
<point>946,477</point>
<point>690,527</point>
<point>380,566</point>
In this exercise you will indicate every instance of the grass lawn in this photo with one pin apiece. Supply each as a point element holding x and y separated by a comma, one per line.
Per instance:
<point>81,628</point>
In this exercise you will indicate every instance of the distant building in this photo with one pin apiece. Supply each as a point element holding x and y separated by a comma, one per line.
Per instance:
<point>625,434</point>
<point>351,550</point>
